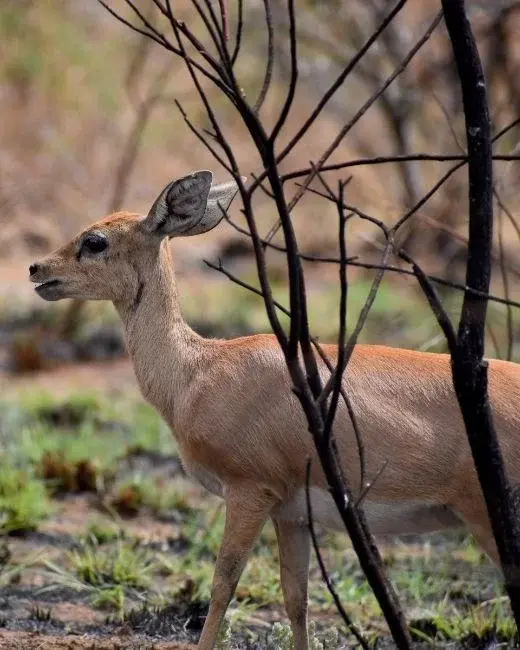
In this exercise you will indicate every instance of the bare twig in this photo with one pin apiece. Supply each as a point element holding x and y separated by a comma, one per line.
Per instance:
<point>370,101</point>
<point>429,291</point>
<point>505,282</point>
<point>340,364</point>
<point>398,158</point>
<point>326,579</point>
<point>270,57</point>
<point>354,261</point>
<point>293,77</point>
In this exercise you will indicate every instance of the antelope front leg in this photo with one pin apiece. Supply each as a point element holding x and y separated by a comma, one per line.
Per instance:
<point>246,512</point>
<point>294,550</point>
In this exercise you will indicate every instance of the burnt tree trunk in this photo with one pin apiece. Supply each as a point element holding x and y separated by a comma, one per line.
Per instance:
<point>469,369</point>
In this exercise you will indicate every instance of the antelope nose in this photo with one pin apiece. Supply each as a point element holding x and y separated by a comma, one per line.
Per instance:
<point>33,268</point>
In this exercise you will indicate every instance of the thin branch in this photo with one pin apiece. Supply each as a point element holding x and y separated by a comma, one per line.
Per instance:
<point>359,114</point>
<point>506,129</point>
<point>351,414</point>
<point>437,280</point>
<point>380,224</point>
<point>340,364</point>
<point>434,301</point>
<point>246,197</point>
<point>370,484</point>
<point>241,283</point>
<point>339,80</point>
<point>240,29</point>
<point>361,319</point>
<point>449,122</point>
<point>352,209</point>
<point>177,25</point>
<point>494,340</point>
<point>202,139</point>
<point>328,582</point>
<point>270,58</point>
<point>209,111</point>
<point>398,158</point>
<point>370,101</point>
<point>223,13</point>
<point>354,261</point>
<point>505,282</point>
<point>294,74</point>
<point>212,28</point>
<point>506,211</point>
<point>144,20</point>
<point>434,189</point>
<point>428,220</point>
<point>168,46</point>
<point>133,27</point>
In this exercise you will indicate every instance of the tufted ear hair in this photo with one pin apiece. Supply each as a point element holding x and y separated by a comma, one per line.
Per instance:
<point>219,200</point>
<point>189,206</point>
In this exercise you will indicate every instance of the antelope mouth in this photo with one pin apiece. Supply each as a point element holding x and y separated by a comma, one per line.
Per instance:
<point>47,290</point>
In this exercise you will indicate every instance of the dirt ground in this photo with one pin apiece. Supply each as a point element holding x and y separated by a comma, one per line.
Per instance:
<point>39,641</point>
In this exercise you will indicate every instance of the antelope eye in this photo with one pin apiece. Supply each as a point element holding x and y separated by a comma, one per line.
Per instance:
<point>94,243</point>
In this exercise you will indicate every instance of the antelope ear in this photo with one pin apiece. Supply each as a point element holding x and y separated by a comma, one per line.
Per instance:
<point>180,206</point>
<point>219,200</point>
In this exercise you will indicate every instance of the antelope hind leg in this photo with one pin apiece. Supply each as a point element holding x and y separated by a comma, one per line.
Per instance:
<point>294,550</point>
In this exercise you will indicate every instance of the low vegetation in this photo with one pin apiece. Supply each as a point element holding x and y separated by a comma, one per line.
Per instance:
<point>144,551</point>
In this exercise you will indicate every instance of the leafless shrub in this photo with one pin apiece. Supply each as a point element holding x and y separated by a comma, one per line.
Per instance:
<point>211,53</point>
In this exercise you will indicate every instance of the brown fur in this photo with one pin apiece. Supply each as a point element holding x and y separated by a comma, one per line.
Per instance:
<point>239,426</point>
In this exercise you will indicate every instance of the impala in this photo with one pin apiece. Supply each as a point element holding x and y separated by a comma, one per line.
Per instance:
<point>241,431</point>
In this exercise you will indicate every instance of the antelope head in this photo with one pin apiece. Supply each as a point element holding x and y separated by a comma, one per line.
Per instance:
<point>106,260</point>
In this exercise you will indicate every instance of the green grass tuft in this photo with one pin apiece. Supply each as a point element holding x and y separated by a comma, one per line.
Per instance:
<point>123,565</point>
<point>24,501</point>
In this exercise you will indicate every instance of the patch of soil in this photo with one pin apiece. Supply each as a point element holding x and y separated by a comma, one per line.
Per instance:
<point>63,617</point>
<point>44,538</point>
<point>60,623</point>
<point>17,598</point>
<point>10,640</point>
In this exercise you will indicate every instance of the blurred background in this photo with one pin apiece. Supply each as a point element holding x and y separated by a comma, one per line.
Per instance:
<point>96,514</point>
<point>89,126</point>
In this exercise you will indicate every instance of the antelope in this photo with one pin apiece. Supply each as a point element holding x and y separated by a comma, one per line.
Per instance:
<point>240,429</point>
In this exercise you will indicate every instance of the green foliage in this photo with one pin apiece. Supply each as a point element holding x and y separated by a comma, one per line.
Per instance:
<point>11,571</point>
<point>122,565</point>
<point>21,64</point>
<point>224,635</point>
<point>102,532</point>
<point>118,571</point>
<point>83,428</point>
<point>110,598</point>
<point>24,502</point>
<point>44,47</point>
<point>281,638</point>
<point>159,495</point>
<point>487,619</point>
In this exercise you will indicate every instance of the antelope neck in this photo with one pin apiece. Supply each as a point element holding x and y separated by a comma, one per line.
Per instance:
<point>163,348</point>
